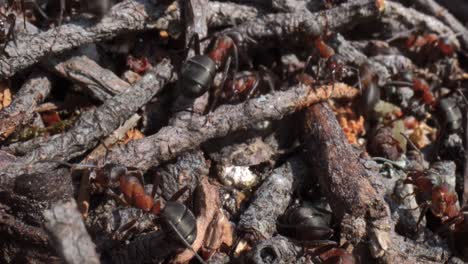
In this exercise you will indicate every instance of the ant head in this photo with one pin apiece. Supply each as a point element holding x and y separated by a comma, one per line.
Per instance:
<point>115,171</point>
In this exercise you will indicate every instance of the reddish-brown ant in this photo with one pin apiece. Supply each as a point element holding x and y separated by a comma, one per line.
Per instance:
<point>175,218</point>
<point>247,84</point>
<point>428,43</point>
<point>437,197</point>
<point>420,87</point>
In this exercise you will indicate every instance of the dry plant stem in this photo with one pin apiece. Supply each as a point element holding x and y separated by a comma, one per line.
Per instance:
<point>258,222</point>
<point>209,204</point>
<point>21,110</point>
<point>101,83</point>
<point>172,140</point>
<point>68,233</point>
<point>283,25</point>
<point>98,123</point>
<point>433,8</point>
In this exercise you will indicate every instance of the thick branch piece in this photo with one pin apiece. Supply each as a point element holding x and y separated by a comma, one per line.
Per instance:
<point>271,200</point>
<point>341,176</point>
<point>21,110</point>
<point>172,140</point>
<point>94,125</point>
<point>101,83</point>
<point>283,25</point>
<point>69,235</point>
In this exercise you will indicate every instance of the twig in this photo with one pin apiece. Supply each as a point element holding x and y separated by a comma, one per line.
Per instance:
<point>21,110</point>
<point>282,26</point>
<point>69,235</point>
<point>99,82</point>
<point>172,140</point>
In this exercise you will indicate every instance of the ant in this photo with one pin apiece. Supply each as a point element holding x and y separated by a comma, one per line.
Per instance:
<point>175,218</point>
<point>330,61</point>
<point>245,85</point>
<point>438,197</point>
<point>431,42</point>
<point>309,224</point>
<point>420,87</point>
<point>198,72</point>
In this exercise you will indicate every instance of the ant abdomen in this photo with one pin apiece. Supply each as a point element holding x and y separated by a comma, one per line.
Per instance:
<point>176,217</point>
<point>196,76</point>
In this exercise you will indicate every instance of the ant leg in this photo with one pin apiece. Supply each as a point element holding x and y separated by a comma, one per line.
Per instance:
<point>194,41</point>
<point>358,73</point>
<point>157,180</point>
<point>182,239</point>
<point>307,64</point>
<point>116,197</point>
<point>268,77</point>
<point>62,10</point>
<point>408,195</point>
<point>179,193</point>
<point>123,232</point>
<point>11,19</point>
<point>421,216</point>
<point>40,11</point>
<point>218,89</point>
<point>255,86</point>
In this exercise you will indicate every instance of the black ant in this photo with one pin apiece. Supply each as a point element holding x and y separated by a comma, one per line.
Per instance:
<point>198,72</point>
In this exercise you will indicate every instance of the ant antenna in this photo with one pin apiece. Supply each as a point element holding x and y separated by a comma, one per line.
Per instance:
<point>391,162</point>
<point>412,144</point>
<point>185,242</point>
